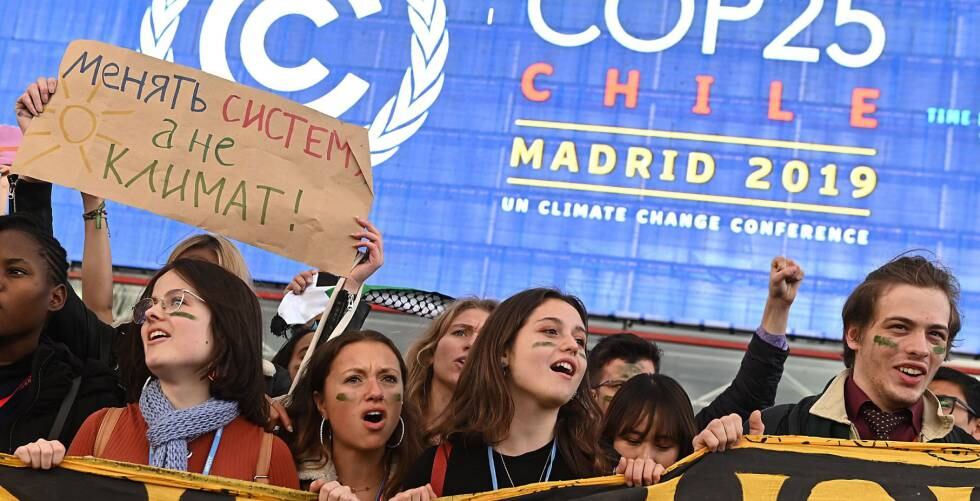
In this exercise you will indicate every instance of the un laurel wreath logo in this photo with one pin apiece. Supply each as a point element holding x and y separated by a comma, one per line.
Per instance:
<point>400,117</point>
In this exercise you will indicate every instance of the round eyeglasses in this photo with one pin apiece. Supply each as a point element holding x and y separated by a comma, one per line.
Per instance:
<point>171,303</point>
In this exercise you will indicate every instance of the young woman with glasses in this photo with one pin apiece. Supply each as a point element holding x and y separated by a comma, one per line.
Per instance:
<point>200,406</point>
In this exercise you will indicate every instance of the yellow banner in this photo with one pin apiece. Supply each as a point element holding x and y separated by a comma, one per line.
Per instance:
<point>100,479</point>
<point>774,468</point>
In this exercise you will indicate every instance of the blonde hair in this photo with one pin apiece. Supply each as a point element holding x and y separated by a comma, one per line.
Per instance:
<point>229,257</point>
<point>420,355</point>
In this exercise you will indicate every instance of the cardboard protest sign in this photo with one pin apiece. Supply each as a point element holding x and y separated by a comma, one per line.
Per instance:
<point>212,153</point>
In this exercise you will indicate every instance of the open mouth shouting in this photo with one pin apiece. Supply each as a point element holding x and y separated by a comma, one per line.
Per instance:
<point>374,419</point>
<point>565,367</point>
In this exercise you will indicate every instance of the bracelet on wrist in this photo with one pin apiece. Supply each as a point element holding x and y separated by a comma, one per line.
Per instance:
<point>99,215</point>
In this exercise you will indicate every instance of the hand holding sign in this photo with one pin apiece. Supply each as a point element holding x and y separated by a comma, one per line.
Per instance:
<point>31,103</point>
<point>202,150</point>
<point>373,258</point>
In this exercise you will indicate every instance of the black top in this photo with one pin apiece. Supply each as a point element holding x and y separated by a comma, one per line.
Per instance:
<point>754,387</point>
<point>14,379</point>
<point>468,469</point>
<point>32,413</point>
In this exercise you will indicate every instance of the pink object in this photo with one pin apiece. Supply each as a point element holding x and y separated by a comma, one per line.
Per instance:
<point>10,138</point>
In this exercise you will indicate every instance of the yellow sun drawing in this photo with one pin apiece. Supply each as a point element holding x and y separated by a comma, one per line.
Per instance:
<point>78,125</point>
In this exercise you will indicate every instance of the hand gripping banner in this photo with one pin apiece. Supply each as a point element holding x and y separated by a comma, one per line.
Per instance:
<point>99,479</point>
<point>771,468</point>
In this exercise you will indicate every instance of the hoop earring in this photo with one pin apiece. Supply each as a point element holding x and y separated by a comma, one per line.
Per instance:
<point>323,426</point>
<point>400,437</point>
<point>146,383</point>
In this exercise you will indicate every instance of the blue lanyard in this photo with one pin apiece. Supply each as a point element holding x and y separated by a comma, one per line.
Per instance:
<point>547,465</point>
<point>214,450</point>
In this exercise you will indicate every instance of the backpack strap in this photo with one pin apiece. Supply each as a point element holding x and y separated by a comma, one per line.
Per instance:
<point>439,467</point>
<point>108,424</point>
<point>59,420</point>
<point>265,459</point>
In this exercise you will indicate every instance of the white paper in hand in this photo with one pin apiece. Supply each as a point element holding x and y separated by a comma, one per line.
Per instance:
<point>299,309</point>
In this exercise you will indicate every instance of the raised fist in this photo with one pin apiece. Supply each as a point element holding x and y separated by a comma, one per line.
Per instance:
<point>785,277</point>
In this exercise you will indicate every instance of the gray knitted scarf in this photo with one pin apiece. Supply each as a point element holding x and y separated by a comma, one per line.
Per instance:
<point>169,430</point>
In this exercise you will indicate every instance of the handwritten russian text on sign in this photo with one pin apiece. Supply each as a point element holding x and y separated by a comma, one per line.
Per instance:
<point>193,147</point>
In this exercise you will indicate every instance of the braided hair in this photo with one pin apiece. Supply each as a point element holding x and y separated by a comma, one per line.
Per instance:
<point>51,250</point>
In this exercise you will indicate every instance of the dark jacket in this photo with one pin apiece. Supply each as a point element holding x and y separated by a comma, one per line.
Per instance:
<point>278,382</point>
<point>85,335</point>
<point>825,416</point>
<point>54,372</point>
<point>754,386</point>
<point>34,199</point>
<point>74,325</point>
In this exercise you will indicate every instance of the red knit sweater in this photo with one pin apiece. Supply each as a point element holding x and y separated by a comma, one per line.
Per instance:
<point>236,458</point>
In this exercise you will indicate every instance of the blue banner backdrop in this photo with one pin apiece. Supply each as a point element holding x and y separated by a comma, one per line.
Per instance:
<point>650,156</point>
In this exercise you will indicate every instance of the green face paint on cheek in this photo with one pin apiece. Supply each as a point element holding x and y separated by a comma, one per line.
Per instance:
<point>398,397</point>
<point>542,344</point>
<point>183,314</point>
<point>939,350</point>
<point>342,397</point>
<point>607,398</point>
<point>884,341</point>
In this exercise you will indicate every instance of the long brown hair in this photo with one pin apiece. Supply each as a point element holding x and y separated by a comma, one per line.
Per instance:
<point>420,373</point>
<point>305,441</point>
<point>236,324</point>
<point>482,413</point>
<point>659,400</point>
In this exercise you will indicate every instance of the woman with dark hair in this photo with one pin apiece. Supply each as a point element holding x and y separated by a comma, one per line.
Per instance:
<point>45,391</point>
<point>650,425</point>
<point>650,417</point>
<point>521,412</point>
<point>355,432</point>
<point>194,384</point>
<point>437,358</point>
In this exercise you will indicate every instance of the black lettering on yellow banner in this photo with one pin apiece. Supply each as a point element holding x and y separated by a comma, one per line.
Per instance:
<point>790,469</point>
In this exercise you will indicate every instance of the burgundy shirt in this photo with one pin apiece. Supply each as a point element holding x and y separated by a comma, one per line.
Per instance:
<point>855,398</point>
